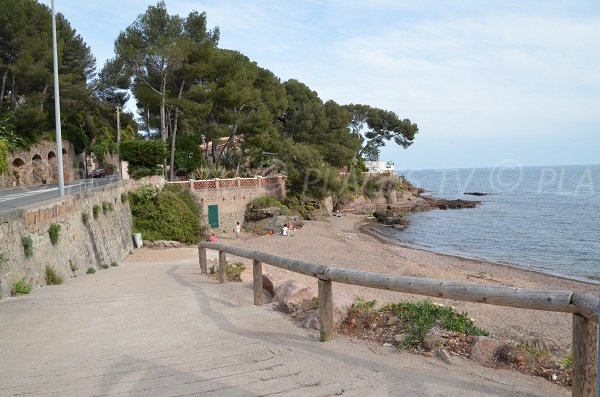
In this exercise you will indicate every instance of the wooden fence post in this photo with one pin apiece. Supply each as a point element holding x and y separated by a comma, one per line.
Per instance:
<point>585,369</point>
<point>326,310</point>
<point>222,266</point>
<point>257,278</point>
<point>202,260</point>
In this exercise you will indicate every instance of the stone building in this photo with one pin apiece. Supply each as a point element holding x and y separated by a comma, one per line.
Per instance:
<point>39,165</point>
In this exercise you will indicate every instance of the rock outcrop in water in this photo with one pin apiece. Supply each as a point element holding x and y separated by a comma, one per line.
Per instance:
<point>390,206</point>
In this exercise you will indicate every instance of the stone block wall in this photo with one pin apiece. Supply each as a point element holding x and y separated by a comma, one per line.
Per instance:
<point>39,166</point>
<point>232,200</point>
<point>102,241</point>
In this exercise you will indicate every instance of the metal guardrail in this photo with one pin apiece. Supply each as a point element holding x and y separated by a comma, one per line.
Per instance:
<point>583,306</point>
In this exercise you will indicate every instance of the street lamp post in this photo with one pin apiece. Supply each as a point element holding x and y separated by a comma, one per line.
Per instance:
<point>119,142</point>
<point>61,180</point>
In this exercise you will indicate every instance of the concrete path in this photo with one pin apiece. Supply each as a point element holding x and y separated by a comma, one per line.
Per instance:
<point>165,330</point>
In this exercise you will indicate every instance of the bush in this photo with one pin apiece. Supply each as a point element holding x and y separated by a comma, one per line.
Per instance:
<point>104,266</point>
<point>123,197</point>
<point>22,287</point>
<point>27,243</point>
<point>52,277</point>
<point>73,266</point>
<point>85,218</point>
<point>264,202</point>
<point>234,270</point>
<point>114,264</point>
<point>54,233</point>
<point>96,211</point>
<point>420,316</point>
<point>167,214</point>
<point>90,270</point>
<point>105,207</point>
<point>139,172</point>
<point>149,154</point>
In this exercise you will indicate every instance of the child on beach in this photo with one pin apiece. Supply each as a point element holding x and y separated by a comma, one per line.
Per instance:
<point>237,230</point>
<point>212,238</point>
<point>284,230</point>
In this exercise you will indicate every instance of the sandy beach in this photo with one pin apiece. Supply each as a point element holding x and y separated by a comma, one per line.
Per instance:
<point>341,242</point>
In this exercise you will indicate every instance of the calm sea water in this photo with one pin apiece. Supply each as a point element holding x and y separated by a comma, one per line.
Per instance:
<point>541,218</point>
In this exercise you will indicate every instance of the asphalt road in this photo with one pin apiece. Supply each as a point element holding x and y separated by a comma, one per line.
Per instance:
<point>11,199</point>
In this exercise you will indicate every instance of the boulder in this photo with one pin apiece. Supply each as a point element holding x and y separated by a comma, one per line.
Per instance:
<point>483,349</point>
<point>443,355</point>
<point>290,295</point>
<point>432,341</point>
<point>341,306</point>
<point>272,281</point>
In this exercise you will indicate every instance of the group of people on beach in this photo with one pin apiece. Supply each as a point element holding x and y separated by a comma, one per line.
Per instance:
<point>286,230</point>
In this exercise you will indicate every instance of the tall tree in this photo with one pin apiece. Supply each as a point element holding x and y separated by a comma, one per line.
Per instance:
<point>155,54</point>
<point>376,126</point>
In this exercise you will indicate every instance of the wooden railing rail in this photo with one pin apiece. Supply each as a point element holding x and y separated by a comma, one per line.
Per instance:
<point>583,306</point>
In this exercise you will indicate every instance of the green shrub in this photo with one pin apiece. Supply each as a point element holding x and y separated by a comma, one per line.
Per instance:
<point>104,266</point>
<point>139,172</point>
<point>567,362</point>
<point>96,211</point>
<point>264,202</point>
<point>533,350</point>
<point>123,197</point>
<point>91,270</point>
<point>54,233</point>
<point>105,207</point>
<point>22,287</point>
<point>27,243</point>
<point>167,214</point>
<point>73,266</point>
<point>144,153</point>
<point>234,270</point>
<point>420,316</point>
<point>85,218</point>
<point>114,264</point>
<point>52,277</point>
<point>360,304</point>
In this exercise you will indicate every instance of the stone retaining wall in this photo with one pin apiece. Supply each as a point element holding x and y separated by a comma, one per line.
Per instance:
<point>232,195</point>
<point>101,241</point>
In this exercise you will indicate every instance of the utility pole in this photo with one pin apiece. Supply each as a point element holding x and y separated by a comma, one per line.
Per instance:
<point>119,142</point>
<point>59,156</point>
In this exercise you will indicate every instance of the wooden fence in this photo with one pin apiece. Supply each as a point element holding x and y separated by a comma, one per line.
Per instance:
<point>582,305</point>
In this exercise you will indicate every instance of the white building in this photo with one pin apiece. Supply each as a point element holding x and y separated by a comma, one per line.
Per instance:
<point>380,166</point>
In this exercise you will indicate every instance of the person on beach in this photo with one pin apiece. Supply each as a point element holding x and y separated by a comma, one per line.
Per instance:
<point>237,230</point>
<point>212,238</point>
<point>284,230</point>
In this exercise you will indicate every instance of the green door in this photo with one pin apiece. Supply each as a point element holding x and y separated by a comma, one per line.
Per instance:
<point>213,216</point>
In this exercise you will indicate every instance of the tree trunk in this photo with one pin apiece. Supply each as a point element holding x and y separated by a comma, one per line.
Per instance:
<point>13,94</point>
<point>229,141</point>
<point>173,137</point>
<point>174,134</point>
<point>3,87</point>
<point>45,92</point>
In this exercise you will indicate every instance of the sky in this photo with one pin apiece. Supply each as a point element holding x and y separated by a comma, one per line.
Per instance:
<point>487,82</point>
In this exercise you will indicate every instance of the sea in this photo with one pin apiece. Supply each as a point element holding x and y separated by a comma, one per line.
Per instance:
<point>545,219</point>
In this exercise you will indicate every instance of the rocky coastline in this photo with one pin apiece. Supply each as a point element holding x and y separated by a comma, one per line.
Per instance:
<point>390,207</point>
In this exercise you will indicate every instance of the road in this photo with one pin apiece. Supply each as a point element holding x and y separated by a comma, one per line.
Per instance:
<point>11,199</point>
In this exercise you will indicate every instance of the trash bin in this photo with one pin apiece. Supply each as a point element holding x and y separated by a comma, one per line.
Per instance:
<point>137,240</point>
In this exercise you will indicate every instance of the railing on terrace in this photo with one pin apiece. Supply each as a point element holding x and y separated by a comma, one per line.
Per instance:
<point>230,183</point>
<point>582,305</point>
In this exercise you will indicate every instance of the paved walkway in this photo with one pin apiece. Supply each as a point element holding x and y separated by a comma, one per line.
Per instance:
<point>165,330</point>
